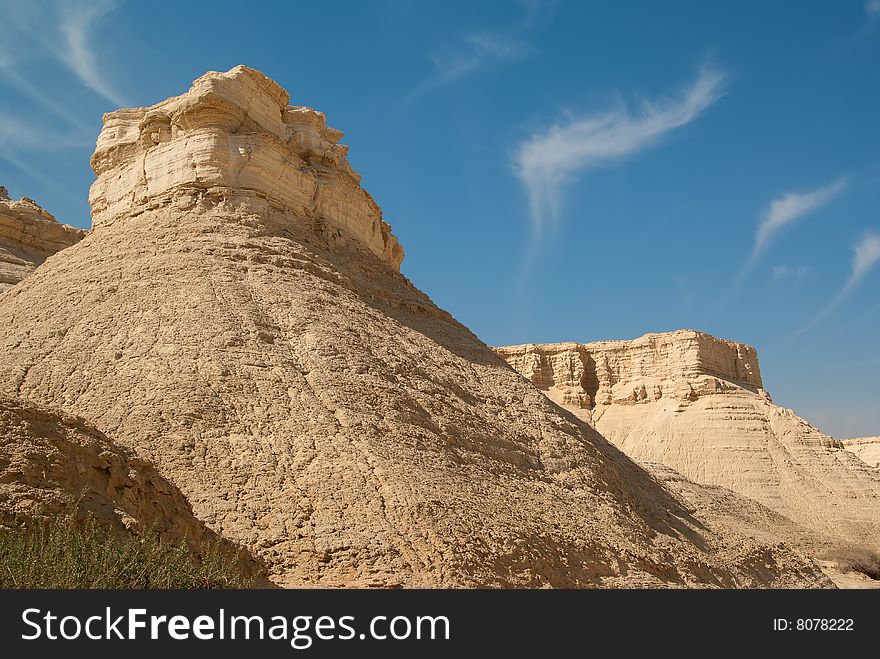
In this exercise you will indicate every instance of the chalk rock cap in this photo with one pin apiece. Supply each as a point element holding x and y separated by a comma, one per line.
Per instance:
<point>233,135</point>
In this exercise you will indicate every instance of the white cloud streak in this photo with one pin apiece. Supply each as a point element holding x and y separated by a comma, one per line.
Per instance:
<point>8,72</point>
<point>790,208</point>
<point>15,133</point>
<point>866,256</point>
<point>77,53</point>
<point>549,159</point>
<point>479,51</point>
<point>781,272</point>
<point>872,8</point>
<point>782,214</point>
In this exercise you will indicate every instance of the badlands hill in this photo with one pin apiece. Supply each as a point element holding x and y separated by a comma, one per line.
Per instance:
<point>697,404</point>
<point>237,318</point>
<point>28,236</point>
<point>866,448</point>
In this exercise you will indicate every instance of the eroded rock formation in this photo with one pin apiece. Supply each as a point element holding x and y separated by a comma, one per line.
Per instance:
<point>54,464</point>
<point>28,236</point>
<point>307,399</point>
<point>681,365</point>
<point>696,403</point>
<point>866,448</point>
<point>233,136</point>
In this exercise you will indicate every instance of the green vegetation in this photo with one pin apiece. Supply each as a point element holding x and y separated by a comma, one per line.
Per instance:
<point>69,553</point>
<point>856,559</point>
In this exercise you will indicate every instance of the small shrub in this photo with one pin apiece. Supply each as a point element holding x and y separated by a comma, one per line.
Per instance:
<point>70,553</point>
<point>855,559</point>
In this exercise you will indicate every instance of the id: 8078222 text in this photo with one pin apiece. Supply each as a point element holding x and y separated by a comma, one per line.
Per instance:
<point>813,624</point>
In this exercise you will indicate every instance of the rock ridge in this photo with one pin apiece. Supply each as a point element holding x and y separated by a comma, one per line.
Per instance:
<point>313,405</point>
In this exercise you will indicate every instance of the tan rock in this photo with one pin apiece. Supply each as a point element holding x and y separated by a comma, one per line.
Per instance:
<point>233,135</point>
<point>28,236</point>
<point>695,403</point>
<point>866,448</point>
<point>308,400</point>
<point>53,464</point>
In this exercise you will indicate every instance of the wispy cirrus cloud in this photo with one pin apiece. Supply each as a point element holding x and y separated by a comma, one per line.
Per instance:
<point>76,49</point>
<point>478,51</point>
<point>788,209</point>
<point>781,272</point>
<point>866,256</point>
<point>65,30</point>
<point>548,160</point>
<point>57,31</point>
<point>10,74</point>
<point>482,50</point>
<point>783,213</point>
<point>872,9</point>
<point>16,133</point>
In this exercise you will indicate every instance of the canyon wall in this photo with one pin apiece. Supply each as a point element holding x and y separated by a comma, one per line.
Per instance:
<point>677,365</point>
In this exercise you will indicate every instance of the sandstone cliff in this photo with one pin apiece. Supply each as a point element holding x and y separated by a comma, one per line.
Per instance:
<point>696,403</point>
<point>28,236</point>
<point>866,448</point>
<point>237,318</point>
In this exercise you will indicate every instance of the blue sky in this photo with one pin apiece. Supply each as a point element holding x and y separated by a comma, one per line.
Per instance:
<point>554,170</point>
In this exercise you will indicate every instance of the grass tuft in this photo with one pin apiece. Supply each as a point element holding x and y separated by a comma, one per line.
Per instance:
<point>71,553</point>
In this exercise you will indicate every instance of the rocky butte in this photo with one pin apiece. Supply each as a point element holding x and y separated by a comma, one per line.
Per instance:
<point>28,236</point>
<point>237,319</point>
<point>696,404</point>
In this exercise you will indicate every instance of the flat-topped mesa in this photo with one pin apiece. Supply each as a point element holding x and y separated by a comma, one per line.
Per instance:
<point>233,137</point>
<point>28,236</point>
<point>696,404</point>
<point>683,365</point>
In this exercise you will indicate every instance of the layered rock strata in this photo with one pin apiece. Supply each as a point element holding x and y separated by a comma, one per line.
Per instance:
<point>234,136</point>
<point>696,403</point>
<point>307,399</point>
<point>28,236</point>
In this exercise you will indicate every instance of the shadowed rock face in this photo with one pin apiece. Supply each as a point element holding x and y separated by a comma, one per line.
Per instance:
<point>311,403</point>
<point>28,236</point>
<point>695,403</point>
<point>53,464</point>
